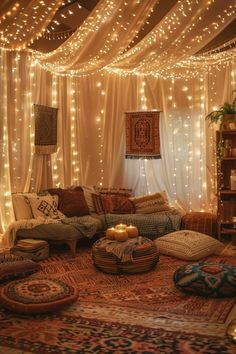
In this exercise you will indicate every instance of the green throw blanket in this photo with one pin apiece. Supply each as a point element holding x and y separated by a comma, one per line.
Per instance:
<point>149,225</point>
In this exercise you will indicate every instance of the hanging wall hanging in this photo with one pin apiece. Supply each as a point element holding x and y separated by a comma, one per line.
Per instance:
<point>142,135</point>
<point>45,129</point>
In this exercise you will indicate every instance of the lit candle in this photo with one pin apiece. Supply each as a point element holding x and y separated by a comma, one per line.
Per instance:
<point>110,233</point>
<point>121,235</point>
<point>132,231</point>
<point>121,226</point>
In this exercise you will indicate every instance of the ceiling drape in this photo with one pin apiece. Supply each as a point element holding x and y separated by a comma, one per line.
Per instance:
<point>21,22</point>
<point>91,129</point>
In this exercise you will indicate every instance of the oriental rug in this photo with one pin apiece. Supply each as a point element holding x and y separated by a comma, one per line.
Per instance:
<point>140,313</point>
<point>142,135</point>
<point>45,129</point>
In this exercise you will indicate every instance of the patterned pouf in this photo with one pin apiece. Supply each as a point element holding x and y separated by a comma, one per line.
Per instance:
<point>206,279</point>
<point>135,255</point>
<point>200,222</point>
<point>31,296</point>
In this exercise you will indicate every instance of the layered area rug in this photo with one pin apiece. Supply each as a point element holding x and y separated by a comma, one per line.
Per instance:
<point>141,313</point>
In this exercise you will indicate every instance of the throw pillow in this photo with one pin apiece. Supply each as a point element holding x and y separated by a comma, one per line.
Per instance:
<point>45,207</point>
<point>206,279</point>
<point>188,245</point>
<point>152,203</point>
<point>112,190</point>
<point>12,267</point>
<point>22,209</point>
<point>72,202</point>
<point>113,204</point>
<point>88,191</point>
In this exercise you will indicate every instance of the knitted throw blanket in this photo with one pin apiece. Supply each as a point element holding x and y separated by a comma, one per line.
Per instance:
<point>122,250</point>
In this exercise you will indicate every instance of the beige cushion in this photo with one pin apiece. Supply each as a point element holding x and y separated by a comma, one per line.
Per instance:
<point>88,191</point>
<point>44,206</point>
<point>21,206</point>
<point>151,203</point>
<point>188,245</point>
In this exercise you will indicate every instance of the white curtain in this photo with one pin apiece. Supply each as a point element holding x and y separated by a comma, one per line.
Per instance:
<point>102,77</point>
<point>91,131</point>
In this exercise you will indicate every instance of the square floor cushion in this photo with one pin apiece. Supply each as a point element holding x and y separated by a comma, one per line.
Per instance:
<point>12,267</point>
<point>188,245</point>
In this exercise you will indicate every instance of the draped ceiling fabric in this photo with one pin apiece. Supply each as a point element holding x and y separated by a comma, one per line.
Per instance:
<point>103,80</point>
<point>21,22</point>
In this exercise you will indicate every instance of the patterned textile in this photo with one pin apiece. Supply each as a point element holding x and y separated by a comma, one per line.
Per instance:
<point>127,192</point>
<point>37,295</point>
<point>45,129</point>
<point>149,225</point>
<point>132,256</point>
<point>142,135</point>
<point>206,279</point>
<point>201,222</point>
<point>12,267</point>
<point>188,245</point>
<point>138,313</point>
<point>151,203</point>
<point>71,202</point>
<point>112,203</point>
<point>44,206</point>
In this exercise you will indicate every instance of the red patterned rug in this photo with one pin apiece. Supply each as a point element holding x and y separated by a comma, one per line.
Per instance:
<point>141,313</point>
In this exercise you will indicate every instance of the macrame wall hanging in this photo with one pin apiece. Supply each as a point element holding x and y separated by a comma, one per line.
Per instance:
<point>142,135</point>
<point>45,129</point>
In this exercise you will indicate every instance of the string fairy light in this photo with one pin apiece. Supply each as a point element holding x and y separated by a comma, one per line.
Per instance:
<point>21,26</point>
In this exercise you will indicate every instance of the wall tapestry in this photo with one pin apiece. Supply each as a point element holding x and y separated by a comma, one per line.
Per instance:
<point>45,139</point>
<point>142,135</point>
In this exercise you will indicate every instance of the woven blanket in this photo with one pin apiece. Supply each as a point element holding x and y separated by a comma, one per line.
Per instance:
<point>123,250</point>
<point>149,225</point>
<point>86,225</point>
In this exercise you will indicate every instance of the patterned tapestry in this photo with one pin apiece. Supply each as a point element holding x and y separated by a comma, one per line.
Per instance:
<point>142,135</point>
<point>45,129</point>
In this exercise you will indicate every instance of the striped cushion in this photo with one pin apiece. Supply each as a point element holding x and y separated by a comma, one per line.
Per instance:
<point>152,203</point>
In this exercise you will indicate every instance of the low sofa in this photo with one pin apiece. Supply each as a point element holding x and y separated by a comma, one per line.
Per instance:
<point>69,214</point>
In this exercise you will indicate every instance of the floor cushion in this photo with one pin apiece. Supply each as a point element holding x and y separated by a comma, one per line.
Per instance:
<point>135,255</point>
<point>206,279</point>
<point>31,249</point>
<point>188,245</point>
<point>203,222</point>
<point>12,267</point>
<point>32,296</point>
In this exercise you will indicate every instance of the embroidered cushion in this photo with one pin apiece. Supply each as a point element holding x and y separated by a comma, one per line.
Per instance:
<point>206,279</point>
<point>12,267</point>
<point>188,245</point>
<point>32,296</point>
<point>112,190</point>
<point>44,206</point>
<point>113,204</point>
<point>71,201</point>
<point>152,203</point>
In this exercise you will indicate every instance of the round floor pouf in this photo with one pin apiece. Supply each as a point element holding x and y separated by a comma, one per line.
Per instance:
<point>32,296</point>
<point>135,255</point>
<point>206,279</point>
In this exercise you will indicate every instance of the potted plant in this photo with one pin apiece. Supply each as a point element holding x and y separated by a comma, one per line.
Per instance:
<point>226,115</point>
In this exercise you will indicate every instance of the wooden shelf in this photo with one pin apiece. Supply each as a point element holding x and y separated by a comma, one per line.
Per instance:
<point>226,198</point>
<point>227,191</point>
